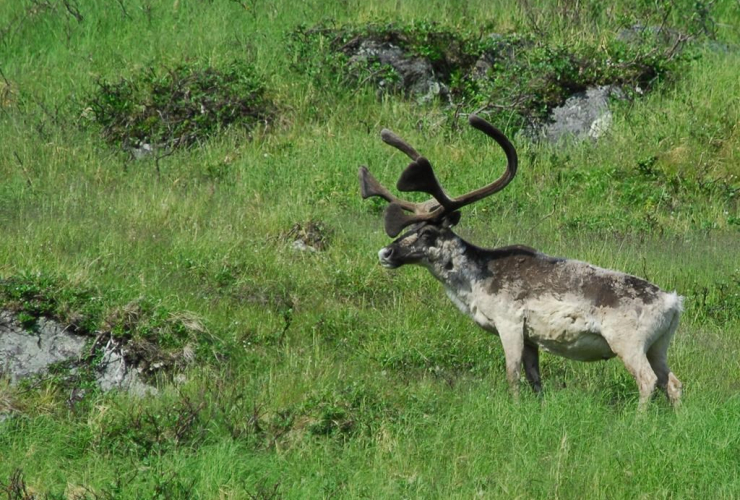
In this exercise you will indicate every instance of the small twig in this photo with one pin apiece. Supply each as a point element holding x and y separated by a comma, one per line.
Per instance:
<point>17,21</point>
<point>456,116</point>
<point>54,117</point>
<point>124,12</point>
<point>542,219</point>
<point>679,40</point>
<point>73,10</point>
<point>531,16</point>
<point>23,167</point>
<point>159,157</point>
<point>3,76</point>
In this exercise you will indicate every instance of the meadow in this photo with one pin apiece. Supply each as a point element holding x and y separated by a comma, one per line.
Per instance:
<point>319,374</point>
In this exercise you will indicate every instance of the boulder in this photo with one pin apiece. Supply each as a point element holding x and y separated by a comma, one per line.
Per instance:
<point>416,74</point>
<point>584,115</point>
<point>25,352</point>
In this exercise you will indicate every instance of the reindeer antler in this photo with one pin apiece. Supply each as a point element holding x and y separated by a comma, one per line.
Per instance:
<point>419,176</point>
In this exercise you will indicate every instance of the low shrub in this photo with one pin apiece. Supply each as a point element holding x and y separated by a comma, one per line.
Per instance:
<point>178,107</point>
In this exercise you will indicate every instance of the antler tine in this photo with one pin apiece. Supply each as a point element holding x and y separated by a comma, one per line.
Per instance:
<point>393,140</point>
<point>396,220</point>
<point>419,176</point>
<point>369,186</point>
<point>511,164</point>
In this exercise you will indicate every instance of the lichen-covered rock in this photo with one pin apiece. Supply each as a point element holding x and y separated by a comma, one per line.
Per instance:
<point>415,75</point>
<point>584,115</point>
<point>25,353</point>
<point>28,352</point>
<point>113,372</point>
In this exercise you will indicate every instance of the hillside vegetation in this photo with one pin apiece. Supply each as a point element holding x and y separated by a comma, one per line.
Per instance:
<point>181,176</point>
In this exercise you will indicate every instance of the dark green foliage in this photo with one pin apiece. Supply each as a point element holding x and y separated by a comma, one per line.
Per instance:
<point>323,51</point>
<point>142,432</point>
<point>32,296</point>
<point>518,78</point>
<point>529,77</point>
<point>180,106</point>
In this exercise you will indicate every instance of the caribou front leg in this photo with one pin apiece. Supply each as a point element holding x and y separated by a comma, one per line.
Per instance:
<point>512,340</point>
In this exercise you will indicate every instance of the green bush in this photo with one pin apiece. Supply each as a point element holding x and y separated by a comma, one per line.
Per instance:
<point>180,106</point>
<point>519,78</point>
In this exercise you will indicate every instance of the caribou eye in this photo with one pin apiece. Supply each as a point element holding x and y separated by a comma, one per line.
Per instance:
<point>428,235</point>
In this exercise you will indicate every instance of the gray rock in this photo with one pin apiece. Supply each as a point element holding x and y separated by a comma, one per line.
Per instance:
<point>301,246</point>
<point>115,373</point>
<point>142,151</point>
<point>718,47</point>
<point>584,115</point>
<point>416,74</point>
<point>25,353</point>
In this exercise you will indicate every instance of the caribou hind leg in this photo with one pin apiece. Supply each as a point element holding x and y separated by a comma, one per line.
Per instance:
<point>531,360</point>
<point>634,357</point>
<point>657,355</point>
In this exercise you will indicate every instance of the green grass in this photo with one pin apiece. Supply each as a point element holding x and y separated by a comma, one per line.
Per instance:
<point>322,374</point>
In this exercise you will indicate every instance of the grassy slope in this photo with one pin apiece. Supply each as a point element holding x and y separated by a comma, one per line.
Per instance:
<point>378,386</point>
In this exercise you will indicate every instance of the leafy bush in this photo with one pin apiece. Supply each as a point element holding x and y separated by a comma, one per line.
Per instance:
<point>179,107</point>
<point>32,296</point>
<point>324,51</point>
<point>519,76</point>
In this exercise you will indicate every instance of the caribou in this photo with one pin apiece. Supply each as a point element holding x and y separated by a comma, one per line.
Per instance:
<point>530,300</point>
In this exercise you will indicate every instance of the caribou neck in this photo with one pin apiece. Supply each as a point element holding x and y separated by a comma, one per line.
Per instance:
<point>459,268</point>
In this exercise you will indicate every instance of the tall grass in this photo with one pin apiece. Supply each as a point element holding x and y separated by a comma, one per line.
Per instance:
<point>332,377</point>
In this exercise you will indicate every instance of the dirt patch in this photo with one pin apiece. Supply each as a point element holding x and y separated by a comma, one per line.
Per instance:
<point>312,236</point>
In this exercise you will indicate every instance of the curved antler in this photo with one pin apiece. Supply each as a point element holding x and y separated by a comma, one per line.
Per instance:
<point>393,140</point>
<point>369,186</point>
<point>419,176</point>
<point>512,163</point>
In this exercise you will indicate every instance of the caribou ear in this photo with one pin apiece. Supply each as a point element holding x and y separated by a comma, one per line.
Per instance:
<point>451,219</point>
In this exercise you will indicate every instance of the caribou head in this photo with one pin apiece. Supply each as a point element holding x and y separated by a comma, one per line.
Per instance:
<point>430,221</point>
